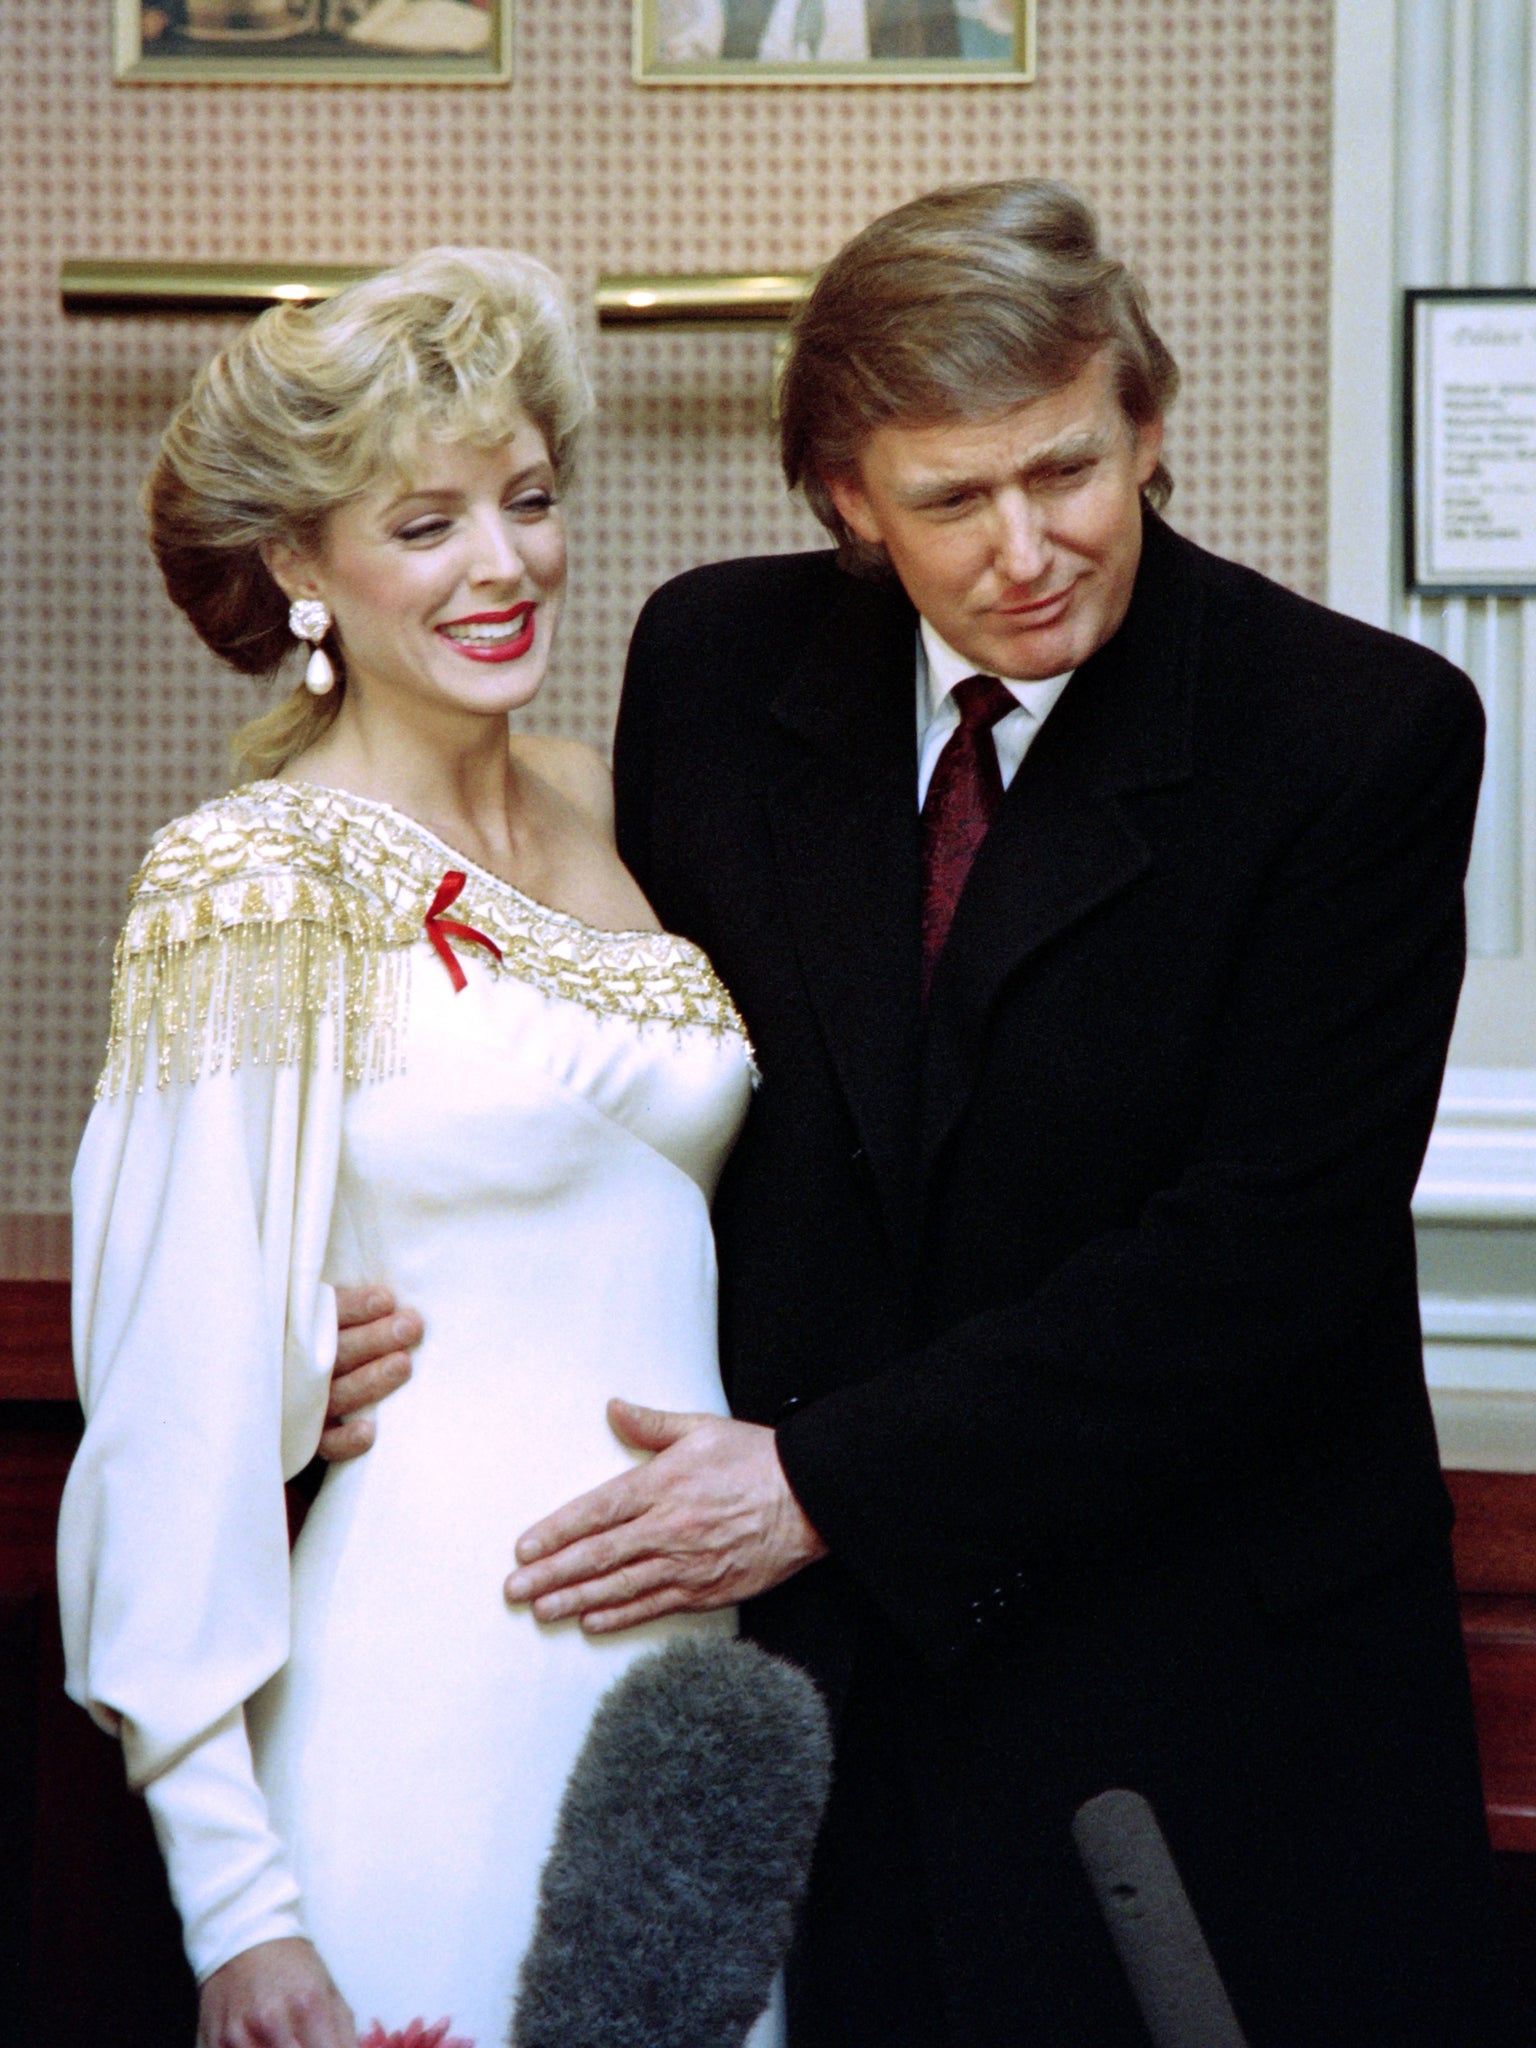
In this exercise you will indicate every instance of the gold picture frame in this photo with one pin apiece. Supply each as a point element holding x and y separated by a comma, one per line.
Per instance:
<point>834,42</point>
<point>312,42</point>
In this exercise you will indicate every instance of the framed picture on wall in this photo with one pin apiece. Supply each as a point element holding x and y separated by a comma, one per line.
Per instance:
<point>1469,389</point>
<point>834,42</point>
<point>293,42</point>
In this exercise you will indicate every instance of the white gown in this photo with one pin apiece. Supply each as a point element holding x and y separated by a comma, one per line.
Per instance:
<point>373,1752</point>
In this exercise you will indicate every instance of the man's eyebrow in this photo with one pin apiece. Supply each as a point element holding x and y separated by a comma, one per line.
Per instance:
<point>940,484</point>
<point>1070,448</point>
<point>928,490</point>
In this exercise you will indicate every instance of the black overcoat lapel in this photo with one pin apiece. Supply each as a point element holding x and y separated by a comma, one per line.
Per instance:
<point>1064,842</point>
<point>843,816</point>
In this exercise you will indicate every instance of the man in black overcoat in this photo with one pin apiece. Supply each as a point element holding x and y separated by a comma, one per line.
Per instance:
<point>1095,907</point>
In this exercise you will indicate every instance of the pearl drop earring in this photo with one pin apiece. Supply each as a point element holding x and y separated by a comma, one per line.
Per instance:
<point>309,620</point>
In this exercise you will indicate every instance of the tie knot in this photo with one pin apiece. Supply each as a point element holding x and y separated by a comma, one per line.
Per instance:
<point>983,700</point>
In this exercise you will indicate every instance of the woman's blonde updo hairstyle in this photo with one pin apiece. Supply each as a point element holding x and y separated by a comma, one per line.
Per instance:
<point>310,405</point>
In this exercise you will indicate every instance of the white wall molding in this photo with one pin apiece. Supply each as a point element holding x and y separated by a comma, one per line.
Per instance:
<point>1452,1319</point>
<point>1481,1163</point>
<point>1485,1432</point>
<point>1475,1209</point>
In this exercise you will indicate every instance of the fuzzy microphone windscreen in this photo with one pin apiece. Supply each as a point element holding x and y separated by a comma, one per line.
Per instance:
<point>682,1848</point>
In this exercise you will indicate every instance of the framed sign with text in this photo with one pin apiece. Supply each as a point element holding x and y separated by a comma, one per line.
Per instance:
<point>1470,441</point>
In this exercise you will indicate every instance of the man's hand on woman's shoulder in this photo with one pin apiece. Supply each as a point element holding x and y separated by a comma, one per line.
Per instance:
<point>373,1358</point>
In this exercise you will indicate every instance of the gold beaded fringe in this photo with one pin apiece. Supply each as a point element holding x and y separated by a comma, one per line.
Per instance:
<point>250,991</point>
<point>281,905</point>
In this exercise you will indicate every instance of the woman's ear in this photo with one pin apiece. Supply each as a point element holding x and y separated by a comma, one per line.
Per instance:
<point>292,572</point>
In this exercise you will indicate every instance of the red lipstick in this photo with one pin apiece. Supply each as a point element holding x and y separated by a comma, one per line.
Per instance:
<point>510,649</point>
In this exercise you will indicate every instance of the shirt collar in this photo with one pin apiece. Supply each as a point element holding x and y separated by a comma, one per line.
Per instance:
<point>946,668</point>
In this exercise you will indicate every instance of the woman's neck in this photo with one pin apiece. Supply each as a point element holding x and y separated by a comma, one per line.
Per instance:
<point>457,777</point>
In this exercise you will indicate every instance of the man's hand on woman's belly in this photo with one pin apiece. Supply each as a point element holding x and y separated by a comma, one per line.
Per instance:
<point>708,1521</point>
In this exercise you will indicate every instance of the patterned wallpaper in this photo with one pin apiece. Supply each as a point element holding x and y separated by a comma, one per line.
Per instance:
<point>1197,127</point>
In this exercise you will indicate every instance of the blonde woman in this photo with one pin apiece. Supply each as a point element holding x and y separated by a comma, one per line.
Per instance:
<point>391,1009</point>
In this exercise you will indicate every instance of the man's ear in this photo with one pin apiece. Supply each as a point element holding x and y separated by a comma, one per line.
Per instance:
<point>854,508</point>
<point>1149,450</point>
<point>292,572</point>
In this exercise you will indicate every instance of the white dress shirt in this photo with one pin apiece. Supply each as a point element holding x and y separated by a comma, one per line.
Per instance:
<point>939,668</point>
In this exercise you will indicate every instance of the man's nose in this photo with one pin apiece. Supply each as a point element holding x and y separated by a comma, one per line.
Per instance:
<point>1021,548</point>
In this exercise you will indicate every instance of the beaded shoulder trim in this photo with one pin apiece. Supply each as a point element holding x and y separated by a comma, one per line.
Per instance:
<point>284,903</point>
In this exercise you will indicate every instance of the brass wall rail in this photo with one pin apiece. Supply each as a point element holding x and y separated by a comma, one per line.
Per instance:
<point>753,298</point>
<point>92,286</point>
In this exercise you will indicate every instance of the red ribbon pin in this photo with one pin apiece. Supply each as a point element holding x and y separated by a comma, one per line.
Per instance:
<point>441,929</point>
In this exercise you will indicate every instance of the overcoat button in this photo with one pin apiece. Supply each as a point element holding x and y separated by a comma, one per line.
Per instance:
<point>787,1408</point>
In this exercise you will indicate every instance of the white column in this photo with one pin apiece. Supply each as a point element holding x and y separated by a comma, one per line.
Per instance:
<point>1426,106</point>
<point>1461,216</point>
<point>1362,530</point>
<point>1497,205</point>
<point>1422,184</point>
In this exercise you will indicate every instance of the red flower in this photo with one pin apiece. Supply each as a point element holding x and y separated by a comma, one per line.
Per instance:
<point>417,2035</point>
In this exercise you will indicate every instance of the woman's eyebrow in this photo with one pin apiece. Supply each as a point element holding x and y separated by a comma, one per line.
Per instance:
<point>425,496</point>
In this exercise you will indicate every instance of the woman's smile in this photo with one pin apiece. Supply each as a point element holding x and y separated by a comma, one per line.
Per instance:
<point>493,636</point>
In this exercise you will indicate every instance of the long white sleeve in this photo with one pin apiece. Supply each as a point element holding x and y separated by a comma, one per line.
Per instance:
<point>204,1340</point>
<point>228,1870</point>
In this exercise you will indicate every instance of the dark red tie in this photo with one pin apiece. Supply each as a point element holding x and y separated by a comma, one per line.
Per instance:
<point>966,789</point>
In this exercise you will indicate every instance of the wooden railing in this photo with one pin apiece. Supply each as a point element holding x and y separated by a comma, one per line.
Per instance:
<point>34,1341</point>
<point>1495,1547</point>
